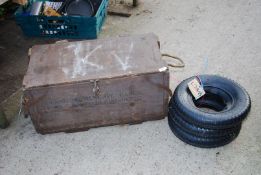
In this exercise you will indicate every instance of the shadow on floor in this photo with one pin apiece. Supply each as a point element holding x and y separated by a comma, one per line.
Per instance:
<point>14,56</point>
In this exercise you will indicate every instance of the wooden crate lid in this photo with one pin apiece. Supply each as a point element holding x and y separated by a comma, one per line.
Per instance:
<point>93,59</point>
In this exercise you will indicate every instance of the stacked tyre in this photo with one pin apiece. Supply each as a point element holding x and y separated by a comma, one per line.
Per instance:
<point>213,120</point>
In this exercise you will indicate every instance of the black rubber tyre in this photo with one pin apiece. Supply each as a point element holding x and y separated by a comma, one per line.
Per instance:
<point>135,3</point>
<point>199,131</point>
<point>231,103</point>
<point>201,141</point>
<point>213,120</point>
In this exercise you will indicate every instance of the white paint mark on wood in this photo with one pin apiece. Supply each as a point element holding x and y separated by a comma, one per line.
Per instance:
<point>86,58</point>
<point>90,53</point>
<point>81,62</point>
<point>124,62</point>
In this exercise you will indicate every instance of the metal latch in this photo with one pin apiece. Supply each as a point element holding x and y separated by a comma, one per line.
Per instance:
<point>96,89</point>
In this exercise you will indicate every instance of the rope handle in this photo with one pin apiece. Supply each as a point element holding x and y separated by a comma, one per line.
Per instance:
<point>181,62</point>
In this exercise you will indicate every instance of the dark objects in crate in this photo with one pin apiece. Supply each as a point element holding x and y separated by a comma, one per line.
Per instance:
<point>86,8</point>
<point>94,3</point>
<point>77,8</point>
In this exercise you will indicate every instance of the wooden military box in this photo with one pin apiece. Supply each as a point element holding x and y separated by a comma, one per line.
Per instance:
<point>79,85</point>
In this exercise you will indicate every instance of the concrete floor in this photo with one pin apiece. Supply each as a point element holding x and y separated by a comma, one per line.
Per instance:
<point>216,37</point>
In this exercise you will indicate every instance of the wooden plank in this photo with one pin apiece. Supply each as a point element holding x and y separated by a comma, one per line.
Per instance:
<point>124,10</point>
<point>119,10</point>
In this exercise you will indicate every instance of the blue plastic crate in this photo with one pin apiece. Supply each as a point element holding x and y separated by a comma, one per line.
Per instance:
<point>75,27</point>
